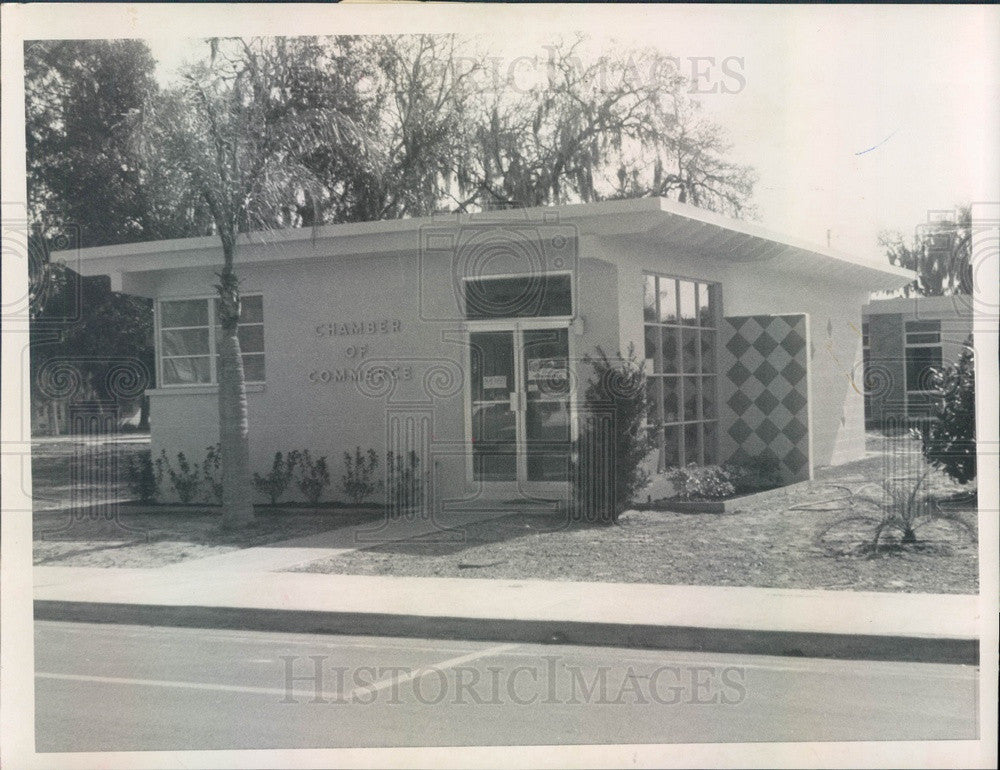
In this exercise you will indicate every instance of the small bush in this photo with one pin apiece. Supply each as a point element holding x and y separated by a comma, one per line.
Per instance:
<point>279,478</point>
<point>140,477</point>
<point>702,482</point>
<point>359,481</point>
<point>718,482</point>
<point>949,442</point>
<point>311,477</point>
<point>210,471</point>
<point>186,480</point>
<point>405,484</point>
<point>892,514</point>
<point>754,475</point>
<point>613,441</point>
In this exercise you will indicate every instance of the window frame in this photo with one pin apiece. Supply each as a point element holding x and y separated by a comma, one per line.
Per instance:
<point>908,346</point>
<point>705,391</point>
<point>213,352</point>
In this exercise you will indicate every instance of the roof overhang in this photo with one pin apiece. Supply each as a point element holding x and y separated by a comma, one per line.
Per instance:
<point>697,231</point>
<point>952,305</point>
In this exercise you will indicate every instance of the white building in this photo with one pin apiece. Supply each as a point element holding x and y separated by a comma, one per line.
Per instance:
<point>461,337</point>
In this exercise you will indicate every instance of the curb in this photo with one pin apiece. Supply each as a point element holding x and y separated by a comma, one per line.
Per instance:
<point>911,649</point>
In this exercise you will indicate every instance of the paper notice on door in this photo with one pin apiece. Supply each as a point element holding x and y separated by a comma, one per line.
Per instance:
<point>495,382</point>
<point>549,370</point>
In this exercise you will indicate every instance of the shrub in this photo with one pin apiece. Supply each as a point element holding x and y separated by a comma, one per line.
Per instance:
<point>279,478</point>
<point>949,442</point>
<point>405,485</point>
<point>185,481</point>
<point>755,474</point>
<point>312,477</point>
<point>359,481</point>
<point>140,477</point>
<point>718,482</point>
<point>901,510</point>
<point>613,441</point>
<point>702,482</point>
<point>210,472</point>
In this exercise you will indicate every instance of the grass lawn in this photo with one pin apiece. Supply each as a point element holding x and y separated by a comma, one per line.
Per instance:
<point>765,543</point>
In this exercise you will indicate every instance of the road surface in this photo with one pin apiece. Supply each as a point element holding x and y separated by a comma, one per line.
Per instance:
<point>115,687</point>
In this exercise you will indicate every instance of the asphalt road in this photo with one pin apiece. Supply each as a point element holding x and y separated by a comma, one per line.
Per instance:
<point>114,687</point>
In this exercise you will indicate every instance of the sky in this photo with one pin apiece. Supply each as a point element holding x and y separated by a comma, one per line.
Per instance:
<point>857,119</point>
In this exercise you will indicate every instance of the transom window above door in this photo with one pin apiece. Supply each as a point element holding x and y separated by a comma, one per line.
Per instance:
<point>680,327</point>
<point>541,295</point>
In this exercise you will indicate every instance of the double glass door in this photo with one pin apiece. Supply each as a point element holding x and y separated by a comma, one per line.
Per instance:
<point>520,404</point>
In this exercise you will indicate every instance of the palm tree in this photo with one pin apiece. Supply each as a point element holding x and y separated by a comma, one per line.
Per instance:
<point>237,130</point>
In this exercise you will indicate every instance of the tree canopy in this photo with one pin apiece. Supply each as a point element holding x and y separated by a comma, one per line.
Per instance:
<point>939,252</point>
<point>292,132</point>
<point>84,107</point>
<point>86,186</point>
<point>421,126</point>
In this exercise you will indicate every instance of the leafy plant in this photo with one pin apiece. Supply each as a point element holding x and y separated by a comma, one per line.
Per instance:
<point>702,482</point>
<point>754,474</point>
<point>186,480</point>
<point>902,509</point>
<point>311,476</point>
<point>613,441</point>
<point>277,481</point>
<point>359,481</point>
<point>949,441</point>
<point>140,477</point>
<point>210,471</point>
<point>405,484</point>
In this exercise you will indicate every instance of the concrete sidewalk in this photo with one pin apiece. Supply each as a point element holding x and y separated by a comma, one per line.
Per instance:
<point>856,625</point>
<point>286,554</point>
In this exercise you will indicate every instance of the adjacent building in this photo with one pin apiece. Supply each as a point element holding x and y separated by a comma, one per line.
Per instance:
<point>905,342</point>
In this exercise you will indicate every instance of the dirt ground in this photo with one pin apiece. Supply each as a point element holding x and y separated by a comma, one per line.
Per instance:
<point>148,537</point>
<point>771,542</point>
<point>768,541</point>
<point>77,525</point>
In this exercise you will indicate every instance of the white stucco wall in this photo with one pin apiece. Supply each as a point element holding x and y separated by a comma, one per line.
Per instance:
<point>291,411</point>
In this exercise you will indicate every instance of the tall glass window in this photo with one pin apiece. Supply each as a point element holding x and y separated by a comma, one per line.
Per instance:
<point>681,334</point>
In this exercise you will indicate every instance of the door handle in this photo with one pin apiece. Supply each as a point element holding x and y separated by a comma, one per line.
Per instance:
<point>518,401</point>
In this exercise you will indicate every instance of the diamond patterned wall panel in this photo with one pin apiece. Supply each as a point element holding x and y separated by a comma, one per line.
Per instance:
<point>765,391</point>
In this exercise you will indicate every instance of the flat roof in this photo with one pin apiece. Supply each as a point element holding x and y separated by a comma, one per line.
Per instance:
<point>657,219</point>
<point>952,305</point>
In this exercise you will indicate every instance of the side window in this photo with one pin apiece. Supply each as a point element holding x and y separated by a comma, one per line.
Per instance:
<point>251,334</point>
<point>187,344</point>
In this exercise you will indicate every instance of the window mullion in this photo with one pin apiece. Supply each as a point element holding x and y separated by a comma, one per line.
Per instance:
<point>212,343</point>
<point>157,331</point>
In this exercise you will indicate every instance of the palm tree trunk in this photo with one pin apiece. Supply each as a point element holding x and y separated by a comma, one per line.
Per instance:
<point>234,430</point>
<point>144,412</point>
